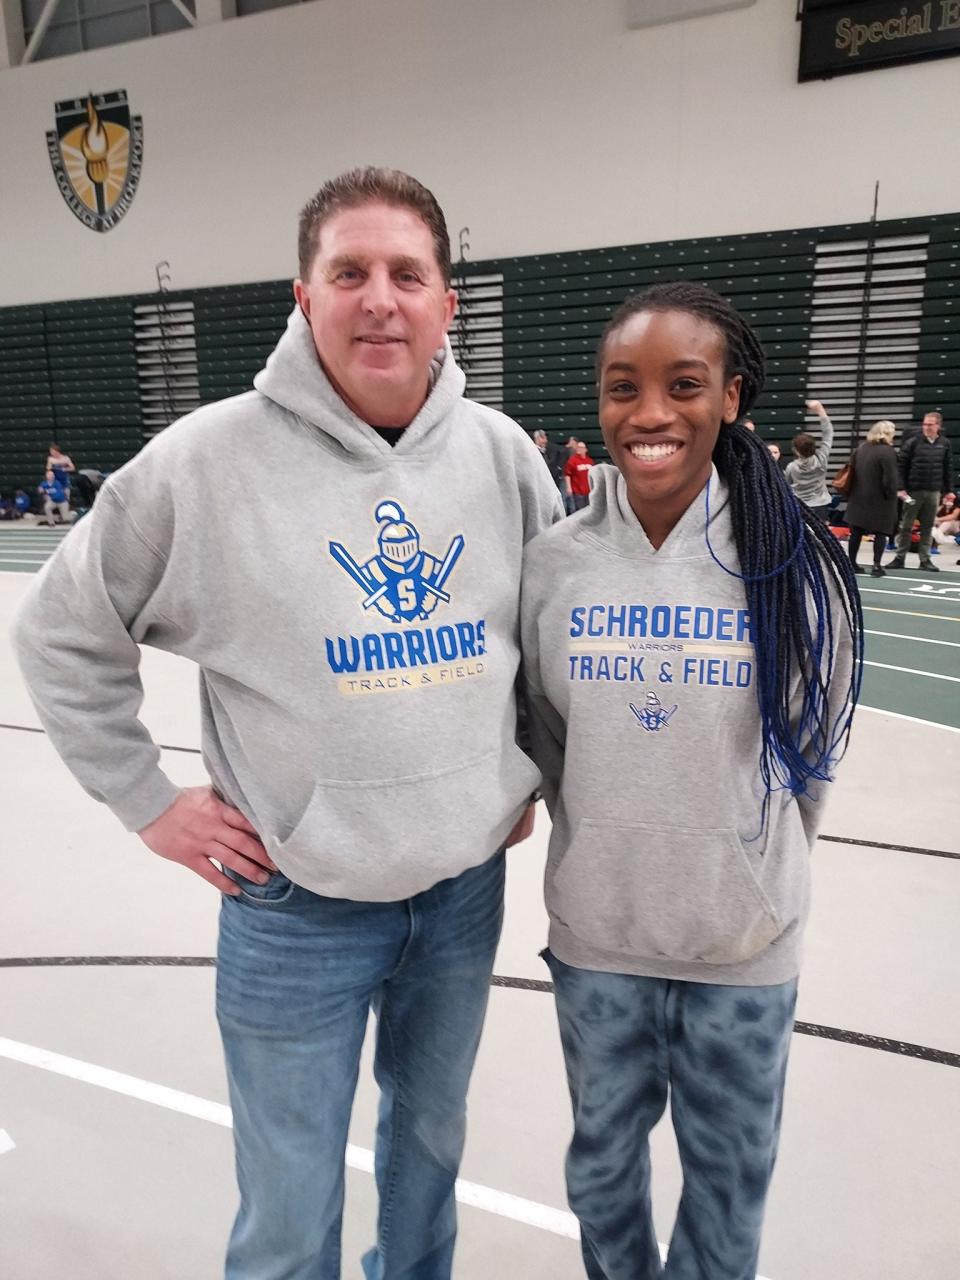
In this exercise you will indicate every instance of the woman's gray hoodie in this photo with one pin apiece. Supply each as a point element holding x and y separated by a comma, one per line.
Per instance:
<point>359,714</point>
<point>807,477</point>
<point>644,717</point>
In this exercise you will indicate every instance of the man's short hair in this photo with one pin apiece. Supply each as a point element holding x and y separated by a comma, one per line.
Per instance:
<point>804,445</point>
<point>935,413</point>
<point>372,186</point>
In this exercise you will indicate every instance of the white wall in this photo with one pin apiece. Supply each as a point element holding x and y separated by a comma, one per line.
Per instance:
<point>543,124</point>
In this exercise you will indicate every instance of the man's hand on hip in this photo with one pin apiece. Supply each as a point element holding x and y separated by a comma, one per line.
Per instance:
<point>199,827</point>
<point>523,827</point>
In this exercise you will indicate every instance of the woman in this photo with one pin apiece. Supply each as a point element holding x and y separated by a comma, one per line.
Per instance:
<point>687,710</point>
<point>872,504</point>
<point>807,473</point>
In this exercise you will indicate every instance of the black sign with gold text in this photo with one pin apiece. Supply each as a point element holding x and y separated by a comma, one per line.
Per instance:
<point>861,35</point>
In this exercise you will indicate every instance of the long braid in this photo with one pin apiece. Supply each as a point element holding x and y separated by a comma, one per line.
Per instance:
<point>792,567</point>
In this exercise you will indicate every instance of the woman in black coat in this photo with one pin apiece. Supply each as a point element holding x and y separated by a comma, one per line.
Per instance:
<point>872,504</point>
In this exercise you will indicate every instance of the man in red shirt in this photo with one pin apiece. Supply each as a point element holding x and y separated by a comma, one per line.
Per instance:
<point>576,478</point>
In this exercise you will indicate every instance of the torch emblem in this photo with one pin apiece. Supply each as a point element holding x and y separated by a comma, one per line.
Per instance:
<point>96,152</point>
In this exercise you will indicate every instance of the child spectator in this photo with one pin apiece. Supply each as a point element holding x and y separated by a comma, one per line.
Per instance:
<point>54,495</point>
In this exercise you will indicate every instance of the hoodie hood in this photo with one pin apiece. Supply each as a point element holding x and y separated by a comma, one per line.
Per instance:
<point>294,379</point>
<point>611,521</point>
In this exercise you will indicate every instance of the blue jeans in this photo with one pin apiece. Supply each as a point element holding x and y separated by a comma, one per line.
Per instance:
<point>721,1054</point>
<point>297,975</point>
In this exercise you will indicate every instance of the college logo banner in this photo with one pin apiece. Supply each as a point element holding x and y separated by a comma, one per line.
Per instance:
<point>840,36</point>
<point>96,152</point>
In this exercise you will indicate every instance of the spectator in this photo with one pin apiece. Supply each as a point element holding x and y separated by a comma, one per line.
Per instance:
<point>774,452</point>
<point>62,467</point>
<point>946,525</point>
<point>807,473</point>
<point>748,424</point>
<point>576,475</point>
<point>22,502</point>
<point>552,454</point>
<point>926,467</point>
<point>872,501</point>
<point>933,416</point>
<point>89,481</point>
<point>54,496</point>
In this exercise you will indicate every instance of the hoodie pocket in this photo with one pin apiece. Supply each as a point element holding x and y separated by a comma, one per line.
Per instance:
<point>386,839</point>
<point>677,893</point>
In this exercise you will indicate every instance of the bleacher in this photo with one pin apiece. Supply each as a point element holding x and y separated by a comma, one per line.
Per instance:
<point>75,371</point>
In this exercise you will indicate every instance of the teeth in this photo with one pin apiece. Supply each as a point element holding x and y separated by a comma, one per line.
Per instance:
<point>648,452</point>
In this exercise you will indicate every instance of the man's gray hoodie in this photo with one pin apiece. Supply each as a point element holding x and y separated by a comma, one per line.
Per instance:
<point>641,674</point>
<point>353,610</point>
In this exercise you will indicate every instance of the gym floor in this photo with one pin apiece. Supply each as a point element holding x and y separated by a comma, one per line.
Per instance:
<point>115,1155</point>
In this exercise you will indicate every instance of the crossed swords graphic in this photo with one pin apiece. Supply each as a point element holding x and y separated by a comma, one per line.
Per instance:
<point>374,591</point>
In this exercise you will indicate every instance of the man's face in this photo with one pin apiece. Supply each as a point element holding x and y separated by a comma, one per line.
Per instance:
<point>930,426</point>
<point>540,440</point>
<point>378,309</point>
<point>581,449</point>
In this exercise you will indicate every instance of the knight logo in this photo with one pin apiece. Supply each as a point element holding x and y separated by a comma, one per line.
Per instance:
<point>653,716</point>
<point>401,581</point>
<point>96,152</point>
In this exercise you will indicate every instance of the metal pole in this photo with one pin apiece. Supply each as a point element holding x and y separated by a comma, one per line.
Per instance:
<point>864,321</point>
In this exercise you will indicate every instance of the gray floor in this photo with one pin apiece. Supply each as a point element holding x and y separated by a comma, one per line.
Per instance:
<point>101,1186</point>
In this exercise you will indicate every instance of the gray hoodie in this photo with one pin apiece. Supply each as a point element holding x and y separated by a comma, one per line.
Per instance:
<point>808,476</point>
<point>353,610</point>
<point>640,671</point>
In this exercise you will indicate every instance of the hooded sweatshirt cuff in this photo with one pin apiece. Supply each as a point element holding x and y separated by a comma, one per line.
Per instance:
<point>143,804</point>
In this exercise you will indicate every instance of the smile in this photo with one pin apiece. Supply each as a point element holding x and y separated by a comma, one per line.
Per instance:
<point>654,452</point>
<point>378,340</point>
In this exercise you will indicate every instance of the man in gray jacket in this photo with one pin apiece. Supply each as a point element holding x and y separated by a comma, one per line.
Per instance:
<point>357,690</point>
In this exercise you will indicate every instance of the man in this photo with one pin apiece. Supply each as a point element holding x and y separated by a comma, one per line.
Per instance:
<point>926,472</point>
<point>552,454</point>
<point>357,684</point>
<point>54,495</point>
<point>576,478</point>
<point>748,424</point>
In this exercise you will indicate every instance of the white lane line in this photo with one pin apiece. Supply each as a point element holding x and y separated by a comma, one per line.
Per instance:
<point>898,715</point>
<point>499,1202</point>
<point>908,613</point>
<point>895,635</point>
<point>910,671</point>
<point>918,597</point>
<point>502,1203</point>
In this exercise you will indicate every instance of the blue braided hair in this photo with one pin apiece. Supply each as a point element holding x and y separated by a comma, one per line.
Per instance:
<point>799,585</point>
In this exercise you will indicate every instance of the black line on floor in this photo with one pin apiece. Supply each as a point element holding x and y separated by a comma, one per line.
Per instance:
<point>901,1047</point>
<point>895,848</point>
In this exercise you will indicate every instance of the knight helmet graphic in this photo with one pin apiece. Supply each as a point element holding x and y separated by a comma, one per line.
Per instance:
<point>401,581</point>
<point>654,715</point>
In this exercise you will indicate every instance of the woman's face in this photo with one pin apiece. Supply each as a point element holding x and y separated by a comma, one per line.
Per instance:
<point>663,396</point>
<point>774,452</point>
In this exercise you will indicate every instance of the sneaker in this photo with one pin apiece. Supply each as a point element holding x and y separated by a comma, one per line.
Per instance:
<point>878,572</point>
<point>897,562</point>
<point>929,566</point>
<point>858,569</point>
